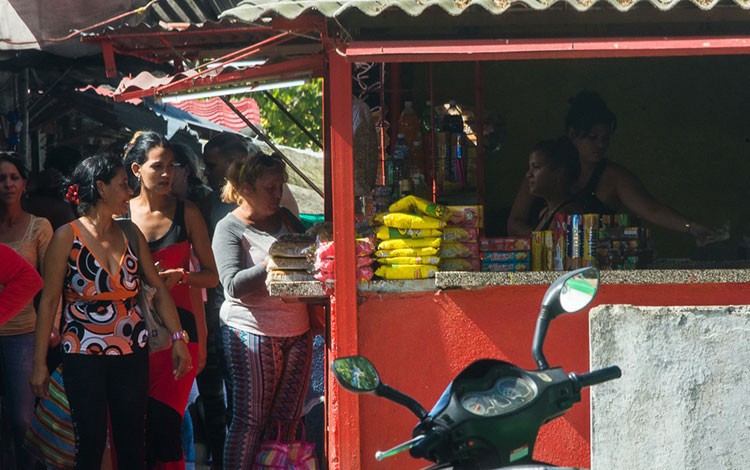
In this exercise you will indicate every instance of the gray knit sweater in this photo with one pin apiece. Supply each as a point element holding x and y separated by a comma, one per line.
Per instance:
<point>240,250</point>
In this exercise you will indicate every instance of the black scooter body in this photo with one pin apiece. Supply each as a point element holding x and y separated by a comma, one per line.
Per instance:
<point>500,436</point>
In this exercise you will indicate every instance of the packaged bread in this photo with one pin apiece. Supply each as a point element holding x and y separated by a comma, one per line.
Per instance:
<point>299,264</point>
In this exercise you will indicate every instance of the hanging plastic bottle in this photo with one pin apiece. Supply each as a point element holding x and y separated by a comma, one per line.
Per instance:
<point>400,160</point>
<point>401,148</point>
<point>453,121</point>
<point>408,123</point>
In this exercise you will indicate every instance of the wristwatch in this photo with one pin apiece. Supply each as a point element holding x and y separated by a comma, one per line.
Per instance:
<point>180,336</point>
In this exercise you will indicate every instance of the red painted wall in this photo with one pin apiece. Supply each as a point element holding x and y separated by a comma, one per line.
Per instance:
<point>419,342</point>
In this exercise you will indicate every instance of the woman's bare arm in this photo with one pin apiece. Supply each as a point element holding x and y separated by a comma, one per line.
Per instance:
<point>518,219</point>
<point>637,199</point>
<point>55,266</point>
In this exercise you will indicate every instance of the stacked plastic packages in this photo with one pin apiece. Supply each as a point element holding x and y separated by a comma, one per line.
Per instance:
<point>460,248</point>
<point>409,239</point>
<point>505,254</point>
<point>289,258</point>
<point>324,264</point>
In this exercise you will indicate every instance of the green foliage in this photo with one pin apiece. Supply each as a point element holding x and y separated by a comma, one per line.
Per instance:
<point>305,103</point>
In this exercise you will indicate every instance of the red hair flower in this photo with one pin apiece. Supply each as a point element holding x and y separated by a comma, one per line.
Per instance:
<point>72,194</point>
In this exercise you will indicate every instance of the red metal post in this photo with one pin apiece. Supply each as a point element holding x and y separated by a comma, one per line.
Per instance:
<point>110,69</point>
<point>343,408</point>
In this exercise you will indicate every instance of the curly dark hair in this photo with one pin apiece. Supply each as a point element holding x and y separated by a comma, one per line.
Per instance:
<point>588,109</point>
<point>97,168</point>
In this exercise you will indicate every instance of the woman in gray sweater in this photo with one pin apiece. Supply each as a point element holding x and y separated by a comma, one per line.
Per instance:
<point>267,342</point>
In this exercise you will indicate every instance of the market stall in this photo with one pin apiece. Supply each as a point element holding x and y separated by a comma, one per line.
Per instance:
<point>518,68</point>
<point>420,333</point>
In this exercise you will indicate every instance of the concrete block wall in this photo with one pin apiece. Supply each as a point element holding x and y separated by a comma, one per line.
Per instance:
<point>683,401</point>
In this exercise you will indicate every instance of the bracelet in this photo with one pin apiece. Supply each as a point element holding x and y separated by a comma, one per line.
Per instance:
<point>184,277</point>
<point>180,336</point>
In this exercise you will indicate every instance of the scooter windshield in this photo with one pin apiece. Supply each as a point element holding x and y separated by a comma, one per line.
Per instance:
<point>442,402</point>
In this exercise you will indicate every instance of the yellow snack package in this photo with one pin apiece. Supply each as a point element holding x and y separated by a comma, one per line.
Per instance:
<point>426,251</point>
<point>412,221</point>
<point>410,260</point>
<point>387,233</point>
<point>422,206</point>
<point>406,271</point>
<point>398,243</point>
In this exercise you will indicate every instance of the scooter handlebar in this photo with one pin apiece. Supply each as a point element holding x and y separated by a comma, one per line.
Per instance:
<point>588,379</point>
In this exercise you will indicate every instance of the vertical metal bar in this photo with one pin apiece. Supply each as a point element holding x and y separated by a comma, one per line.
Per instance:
<point>395,110</point>
<point>343,408</point>
<point>327,164</point>
<point>273,146</point>
<point>23,94</point>
<point>478,95</point>
<point>433,136</point>
<point>381,124</point>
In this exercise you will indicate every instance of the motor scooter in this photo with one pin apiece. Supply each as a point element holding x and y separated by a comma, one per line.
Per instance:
<point>489,416</point>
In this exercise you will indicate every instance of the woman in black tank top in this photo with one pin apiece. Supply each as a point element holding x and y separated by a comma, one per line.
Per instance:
<point>175,230</point>
<point>603,187</point>
<point>553,167</point>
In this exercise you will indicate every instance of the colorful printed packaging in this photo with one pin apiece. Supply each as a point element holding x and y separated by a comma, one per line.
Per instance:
<point>505,244</point>
<point>460,264</point>
<point>466,216</point>
<point>537,252</point>
<point>505,256</point>
<point>491,266</point>
<point>459,250</point>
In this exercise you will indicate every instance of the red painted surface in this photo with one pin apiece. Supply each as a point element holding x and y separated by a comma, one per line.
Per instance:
<point>343,430</point>
<point>525,49</point>
<point>419,342</point>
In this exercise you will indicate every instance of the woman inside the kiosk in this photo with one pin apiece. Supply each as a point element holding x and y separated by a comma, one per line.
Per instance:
<point>553,168</point>
<point>603,186</point>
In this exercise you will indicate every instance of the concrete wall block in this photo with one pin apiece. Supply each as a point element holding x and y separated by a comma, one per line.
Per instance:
<point>682,401</point>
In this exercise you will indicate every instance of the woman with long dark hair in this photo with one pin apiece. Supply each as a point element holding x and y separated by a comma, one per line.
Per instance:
<point>603,186</point>
<point>93,265</point>
<point>174,229</point>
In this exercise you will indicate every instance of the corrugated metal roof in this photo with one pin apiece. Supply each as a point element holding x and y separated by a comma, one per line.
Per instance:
<point>252,10</point>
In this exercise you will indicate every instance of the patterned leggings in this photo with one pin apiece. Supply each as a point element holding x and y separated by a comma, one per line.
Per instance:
<point>269,378</point>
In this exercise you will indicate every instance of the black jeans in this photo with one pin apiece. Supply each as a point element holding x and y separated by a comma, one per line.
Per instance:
<point>211,388</point>
<point>96,385</point>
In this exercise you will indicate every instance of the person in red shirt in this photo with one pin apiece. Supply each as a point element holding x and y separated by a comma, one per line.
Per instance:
<point>19,283</point>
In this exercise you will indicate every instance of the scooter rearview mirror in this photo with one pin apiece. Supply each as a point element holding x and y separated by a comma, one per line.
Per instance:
<point>356,374</point>
<point>569,293</point>
<point>579,290</point>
